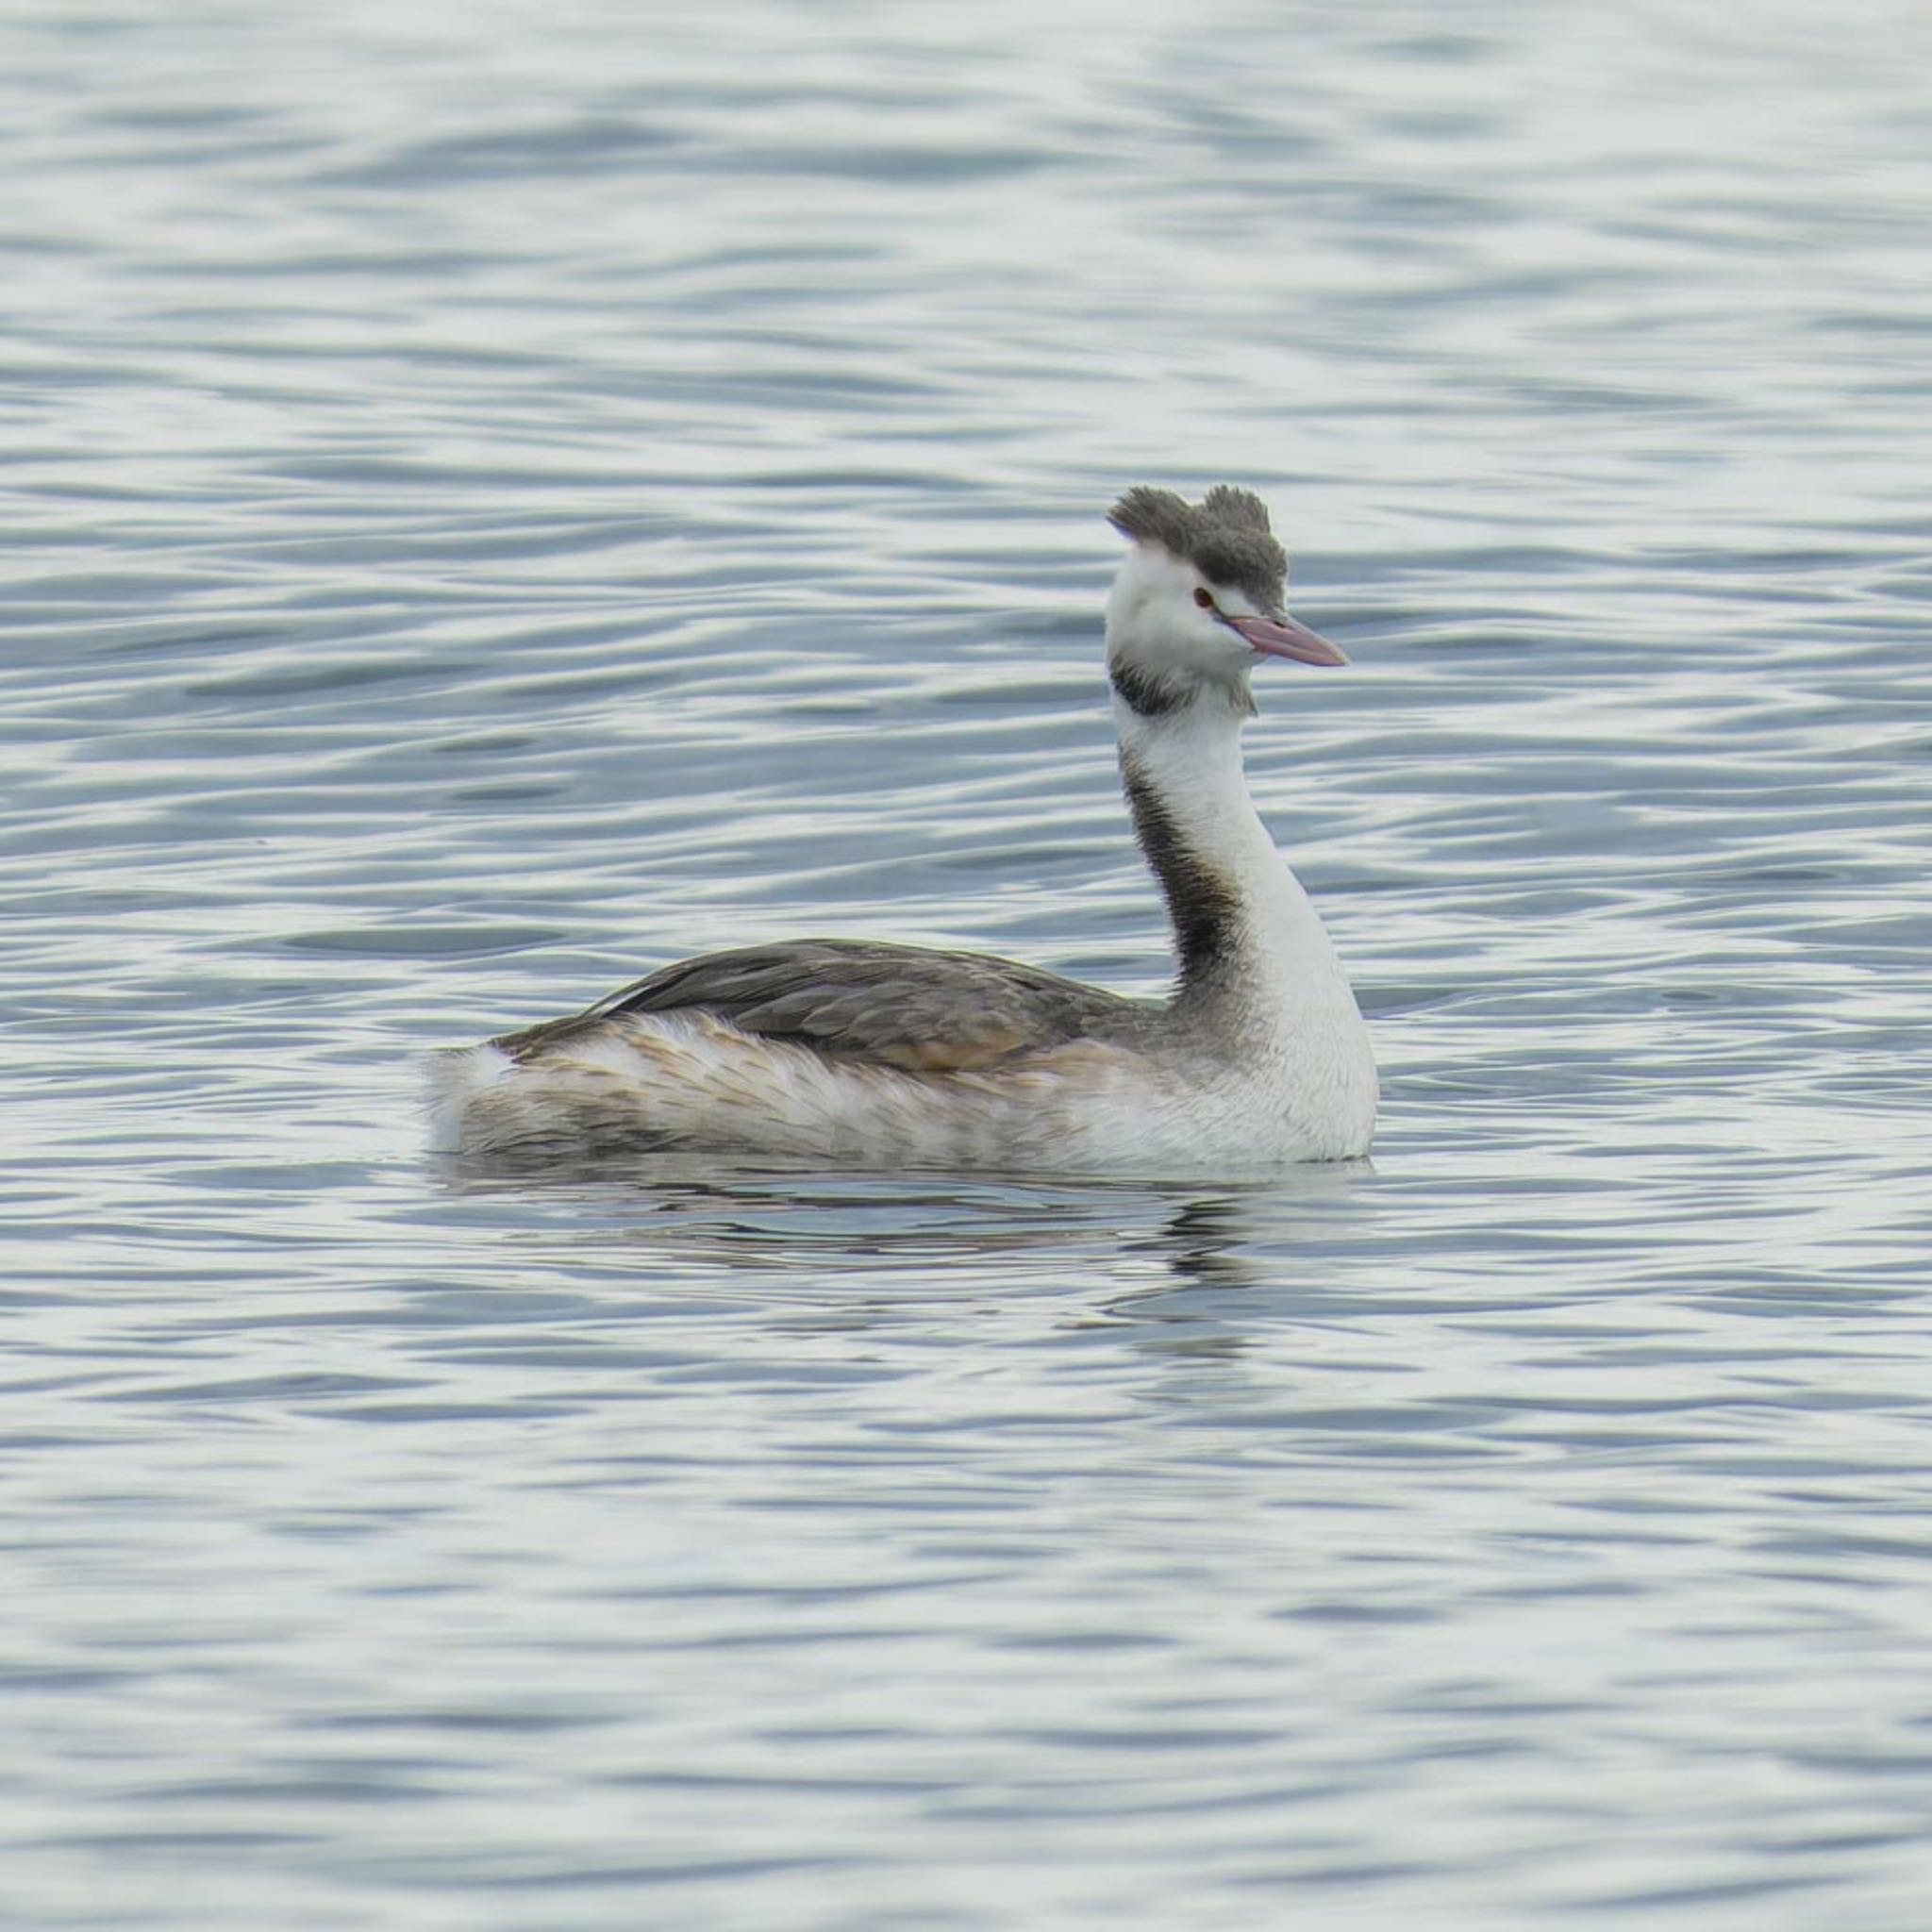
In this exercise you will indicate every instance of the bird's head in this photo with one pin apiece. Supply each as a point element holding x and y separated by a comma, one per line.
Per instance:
<point>1198,599</point>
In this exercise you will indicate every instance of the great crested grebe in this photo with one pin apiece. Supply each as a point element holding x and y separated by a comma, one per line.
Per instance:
<point>850,1053</point>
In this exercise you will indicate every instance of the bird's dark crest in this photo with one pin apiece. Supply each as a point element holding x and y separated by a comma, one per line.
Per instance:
<point>1225,536</point>
<point>1156,516</point>
<point>1232,506</point>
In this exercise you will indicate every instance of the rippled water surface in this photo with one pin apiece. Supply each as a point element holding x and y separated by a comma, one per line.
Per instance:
<point>500,496</point>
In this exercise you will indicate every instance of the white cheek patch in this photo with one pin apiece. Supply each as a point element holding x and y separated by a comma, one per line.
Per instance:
<point>1155,626</point>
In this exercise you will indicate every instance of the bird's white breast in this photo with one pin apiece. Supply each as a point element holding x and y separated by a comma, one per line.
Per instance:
<point>640,1081</point>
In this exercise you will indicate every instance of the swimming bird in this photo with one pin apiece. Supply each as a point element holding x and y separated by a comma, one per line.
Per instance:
<point>848,1053</point>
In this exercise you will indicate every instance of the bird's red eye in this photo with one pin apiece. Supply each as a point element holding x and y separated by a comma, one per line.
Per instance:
<point>1205,598</point>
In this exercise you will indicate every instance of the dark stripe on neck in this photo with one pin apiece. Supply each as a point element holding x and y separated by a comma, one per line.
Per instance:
<point>1202,903</point>
<point>1146,695</point>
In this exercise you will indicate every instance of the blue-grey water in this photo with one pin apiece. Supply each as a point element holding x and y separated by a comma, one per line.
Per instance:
<point>500,496</point>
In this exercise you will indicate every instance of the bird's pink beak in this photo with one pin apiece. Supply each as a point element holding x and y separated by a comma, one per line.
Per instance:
<point>1282,637</point>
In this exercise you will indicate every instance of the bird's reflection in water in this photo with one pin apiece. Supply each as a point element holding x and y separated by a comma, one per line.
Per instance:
<point>1215,1251</point>
<point>1148,1253</point>
<point>1200,1243</point>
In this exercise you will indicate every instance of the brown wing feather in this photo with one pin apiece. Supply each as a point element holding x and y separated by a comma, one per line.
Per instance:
<point>894,1005</point>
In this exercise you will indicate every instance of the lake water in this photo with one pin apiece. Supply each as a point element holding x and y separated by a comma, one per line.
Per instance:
<point>503,495</point>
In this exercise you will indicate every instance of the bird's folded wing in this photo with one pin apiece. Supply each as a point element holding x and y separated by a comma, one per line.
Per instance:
<point>901,1006</point>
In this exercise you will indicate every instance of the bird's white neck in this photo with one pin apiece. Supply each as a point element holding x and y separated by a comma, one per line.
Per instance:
<point>1257,971</point>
